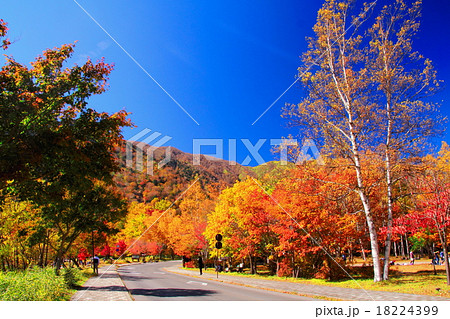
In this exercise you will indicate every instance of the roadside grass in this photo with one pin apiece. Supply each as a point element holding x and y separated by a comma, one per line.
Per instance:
<point>41,284</point>
<point>411,279</point>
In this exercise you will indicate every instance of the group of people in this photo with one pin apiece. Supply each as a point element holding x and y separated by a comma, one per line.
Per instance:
<point>438,258</point>
<point>219,268</point>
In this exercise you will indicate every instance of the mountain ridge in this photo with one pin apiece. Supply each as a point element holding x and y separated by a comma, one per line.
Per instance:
<point>177,173</point>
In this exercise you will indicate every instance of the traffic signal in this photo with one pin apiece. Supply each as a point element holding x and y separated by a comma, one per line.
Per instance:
<point>218,241</point>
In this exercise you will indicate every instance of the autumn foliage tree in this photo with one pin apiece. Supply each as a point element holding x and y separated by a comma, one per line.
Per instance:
<point>185,228</point>
<point>299,225</point>
<point>19,234</point>
<point>142,227</point>
<point>337,111</point>
<point>433,202</point>
<point>404,79</point>
<point>315,221</point>
<point>366,94</point>
<point>241,217</point>
<point>55,150</point>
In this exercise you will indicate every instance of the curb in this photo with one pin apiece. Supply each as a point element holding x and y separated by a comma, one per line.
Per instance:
<point>128,291</point>
<point>318,297</point>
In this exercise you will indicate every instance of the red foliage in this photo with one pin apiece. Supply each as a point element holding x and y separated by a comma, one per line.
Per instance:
<point>144,247</point>
<point>433,211</point>
<point>106,251</point>
<point>154,248</point>
<point>284,270</point>
<point>121,247</point>
<point>83,254</point>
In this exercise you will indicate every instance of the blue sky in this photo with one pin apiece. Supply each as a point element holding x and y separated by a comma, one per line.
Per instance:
<point>224,62</point>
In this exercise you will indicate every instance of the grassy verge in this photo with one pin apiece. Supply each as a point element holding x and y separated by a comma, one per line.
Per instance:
<point>38,284</point>
<point>411,279</point>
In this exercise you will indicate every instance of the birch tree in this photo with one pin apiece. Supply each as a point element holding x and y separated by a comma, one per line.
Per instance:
<point>337,111</point>
<point>404,79</point>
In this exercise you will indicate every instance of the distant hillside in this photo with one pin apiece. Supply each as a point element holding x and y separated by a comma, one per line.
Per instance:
<point>274,168</point>
<point>175,176</point>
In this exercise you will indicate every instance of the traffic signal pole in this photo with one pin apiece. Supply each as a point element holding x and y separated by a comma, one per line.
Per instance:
<point>218,246</point>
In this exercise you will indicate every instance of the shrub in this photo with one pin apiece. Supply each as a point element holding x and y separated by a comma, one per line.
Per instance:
<point>363,271</point>
<point>37,284</point>
<point>284,270</point>
<point>69,278</point>
<point>33,284</point>
<point>332,270</point>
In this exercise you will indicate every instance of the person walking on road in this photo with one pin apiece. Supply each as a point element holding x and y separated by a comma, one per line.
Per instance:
<point>95,262</point>
<point>411,257</point>
<point>200,264</point>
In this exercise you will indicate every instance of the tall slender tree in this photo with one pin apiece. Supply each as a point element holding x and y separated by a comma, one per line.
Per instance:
<point>337,110</point>
<point>367,93</point>
<point>404,79</point>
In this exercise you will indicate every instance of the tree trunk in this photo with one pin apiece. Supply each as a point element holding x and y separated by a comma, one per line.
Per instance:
<point>387,251</point>
<point>443,239</point>
<point>252,265</point>
<point>58,262</point>
<point>278,267</point>
<point>62,250</point>
<point>363,252</point>
<point>373,238</point>
<point>76,263</point>
<point>377,276</point>
<point>407,245</point>
<point>40,259</point>
<point>24,262</point>
<point>272,267</point>
<point>447,267</point>
<point>341,89</point>
<point>402,247</point>
<point>46,255</point>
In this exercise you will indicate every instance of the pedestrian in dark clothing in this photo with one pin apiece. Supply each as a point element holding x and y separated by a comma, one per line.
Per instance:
<point>200,264</point>
<point>95,262</point>
<point>436,258</point>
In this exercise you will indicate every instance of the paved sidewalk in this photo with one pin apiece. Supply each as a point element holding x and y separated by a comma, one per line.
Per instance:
<point>107,286</point>
<point>310,290</point>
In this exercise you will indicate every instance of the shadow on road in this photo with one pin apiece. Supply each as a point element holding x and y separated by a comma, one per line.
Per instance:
<point>126,277</point>
<point>105,288</point>
<point>172,292</point>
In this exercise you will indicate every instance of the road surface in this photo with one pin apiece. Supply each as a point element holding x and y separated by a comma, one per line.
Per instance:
<point>151,282</point>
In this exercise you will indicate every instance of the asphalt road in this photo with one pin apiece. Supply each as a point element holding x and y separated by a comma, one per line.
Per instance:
<point>151,282</point>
